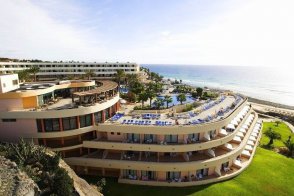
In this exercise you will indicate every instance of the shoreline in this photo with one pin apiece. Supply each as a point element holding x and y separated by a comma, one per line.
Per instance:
<point>250,99</point>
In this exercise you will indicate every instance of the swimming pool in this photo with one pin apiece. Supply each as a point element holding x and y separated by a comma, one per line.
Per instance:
<point>189,98</point>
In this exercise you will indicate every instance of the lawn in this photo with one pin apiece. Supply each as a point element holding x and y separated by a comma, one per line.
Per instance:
<point>283,129</point>
<point>269,174</point>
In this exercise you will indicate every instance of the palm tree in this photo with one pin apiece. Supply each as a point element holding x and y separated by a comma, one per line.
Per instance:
<point>181,98</point>
<point>272,135</point>
<point>277,123</point>
<point>289,144</point>
<point>131,79</point>
<point>168,99</point>
<point>158,103</point>
<point>89,73</point>
<point>23,75</point>
<point>143,96</point>
<point>151,94</point>
<point>34,70</point>
<point>119,75</point>
<point>199,91</point>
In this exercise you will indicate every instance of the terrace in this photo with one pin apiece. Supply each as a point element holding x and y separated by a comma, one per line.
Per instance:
<point>209,112</point>
<point>69,98</point>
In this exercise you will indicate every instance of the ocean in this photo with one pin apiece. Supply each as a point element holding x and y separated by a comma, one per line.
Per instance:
<point>267,83</point>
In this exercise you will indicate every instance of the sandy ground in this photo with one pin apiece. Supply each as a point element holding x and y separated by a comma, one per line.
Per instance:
<point>267,108</point>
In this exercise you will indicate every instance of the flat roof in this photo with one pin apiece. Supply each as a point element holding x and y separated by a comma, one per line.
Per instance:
<point>106,86</point>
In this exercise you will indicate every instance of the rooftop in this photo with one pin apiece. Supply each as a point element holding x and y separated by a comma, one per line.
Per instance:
<point>209,112</point>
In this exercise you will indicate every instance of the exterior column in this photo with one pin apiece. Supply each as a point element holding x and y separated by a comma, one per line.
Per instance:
<point>78,122</point>
<point>43,130</point>
<point>103,116</point>
<point>61,129</point>
<point>93,119</point>
<point>110,111</point>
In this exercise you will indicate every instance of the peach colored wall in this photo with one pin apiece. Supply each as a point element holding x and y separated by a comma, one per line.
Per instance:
<point>161,175</point>
<point>7,104</point>
<point>12,131</point>
<point>184,173</point>
<point>192,173</point>
<point>160,138</point>
<point>201,136</point>
<point>180,138</point>
<point>115,137</point>
<point>211,170</point>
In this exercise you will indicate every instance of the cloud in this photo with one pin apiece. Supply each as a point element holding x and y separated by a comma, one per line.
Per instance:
<point>183,32</point>
<point>30,32</point>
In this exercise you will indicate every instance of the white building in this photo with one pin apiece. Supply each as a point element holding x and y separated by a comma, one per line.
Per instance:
<point>8,82</point>
<point>53,70</point>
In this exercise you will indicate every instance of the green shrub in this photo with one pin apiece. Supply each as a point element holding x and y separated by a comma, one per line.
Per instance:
<point>62,183</point>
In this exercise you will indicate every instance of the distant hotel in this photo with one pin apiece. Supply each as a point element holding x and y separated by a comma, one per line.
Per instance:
<point>61,70</point>
<point>80,119</point>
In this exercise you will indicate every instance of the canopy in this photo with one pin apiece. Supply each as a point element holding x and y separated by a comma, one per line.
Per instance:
<point>242,130</point>
<point>240,134</point>
<point>237,139</point>
<point>248,147</point>
<point>231,126</point>
<point>229,146</point>
<point>234,122</point>
<point>246,153</point>
<point>250,143</point>
<point>223,132</point>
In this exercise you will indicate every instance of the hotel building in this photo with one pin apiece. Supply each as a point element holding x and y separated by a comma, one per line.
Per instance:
<point>85,122</point>
<point>56,70</point>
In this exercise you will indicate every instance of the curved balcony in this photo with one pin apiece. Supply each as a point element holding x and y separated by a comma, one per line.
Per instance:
<point>235,170</point>
<point>165,166</point>
<point>164,148</point>
<point>30,93</point>
<point>60,113</point>
<point>172,130</point>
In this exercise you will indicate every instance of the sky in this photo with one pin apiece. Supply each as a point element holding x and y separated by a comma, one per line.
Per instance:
<point>200,32</point>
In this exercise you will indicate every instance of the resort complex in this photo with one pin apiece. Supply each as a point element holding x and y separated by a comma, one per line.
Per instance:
<point>98,133</point>
<point>57,70</point>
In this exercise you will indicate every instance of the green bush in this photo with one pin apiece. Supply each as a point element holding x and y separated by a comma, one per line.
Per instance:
<point>40,166</point>
<point>188,107</point>
<point>62,183</point>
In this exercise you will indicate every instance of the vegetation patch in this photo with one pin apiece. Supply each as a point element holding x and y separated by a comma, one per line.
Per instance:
<point>40,166</point>
<point>278,137</point>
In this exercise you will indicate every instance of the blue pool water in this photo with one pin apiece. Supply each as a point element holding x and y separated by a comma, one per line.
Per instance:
<point>175,102</point>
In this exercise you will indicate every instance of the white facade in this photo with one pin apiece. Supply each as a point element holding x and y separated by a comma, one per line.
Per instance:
<point>8,83</point>
<point>50,70</point>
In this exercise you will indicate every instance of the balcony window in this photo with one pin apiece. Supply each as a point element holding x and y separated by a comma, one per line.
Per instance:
<point>148,175</point>
<point>194,137</point>
<point>173,176</point>
<point>133,138</point>
<point>9,120</point>
<point>69,123</point>
<point>39,125</point>
<point>130,174</point>
<point>98,117</point>
<point>149,138</point>
<point>85,120</point>
<point>212,133</point>
<point>171,138</point>
<point>106,113</point>
<point>52,124</point>
<point>200,173</point>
